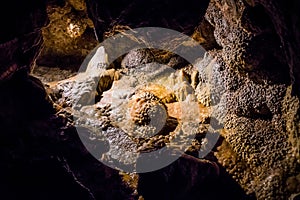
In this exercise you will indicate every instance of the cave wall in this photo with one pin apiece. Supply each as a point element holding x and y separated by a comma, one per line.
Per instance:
<point>256,81</point>
<point>109,17</point>
<point>253,83</point>
<point>41,155</point>
<point>69,36</point>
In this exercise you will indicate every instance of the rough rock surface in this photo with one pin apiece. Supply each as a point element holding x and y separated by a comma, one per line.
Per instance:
<point>129,140</point>
<point>145,92</point>
<point>41,154</point>
<point>108,18</point>
<point>69,36</point>
<point>252,86</point>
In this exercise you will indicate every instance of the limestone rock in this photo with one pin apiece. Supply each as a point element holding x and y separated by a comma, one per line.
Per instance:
<point>69,37</point>
<point>247,97</point>
<point>137,57</point>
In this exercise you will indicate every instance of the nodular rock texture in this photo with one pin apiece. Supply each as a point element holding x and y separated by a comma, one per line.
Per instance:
<point>253,87</point>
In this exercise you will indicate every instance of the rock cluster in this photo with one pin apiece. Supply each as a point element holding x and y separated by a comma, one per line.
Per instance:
<point>248,86</point>
<point>69,36</point>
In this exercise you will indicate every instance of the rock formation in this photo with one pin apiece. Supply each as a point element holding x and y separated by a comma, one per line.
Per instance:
<point>248,83</point>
